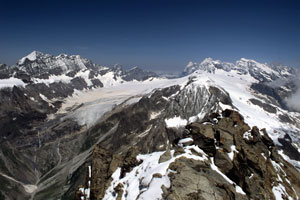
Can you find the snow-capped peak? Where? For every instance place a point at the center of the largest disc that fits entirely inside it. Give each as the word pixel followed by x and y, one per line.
pixel 37 63
pixel 62 55
pixel 244 62
pixel 190 64
pixel 207 65
pixel 259 71
pixel 208 60
pixel 32 57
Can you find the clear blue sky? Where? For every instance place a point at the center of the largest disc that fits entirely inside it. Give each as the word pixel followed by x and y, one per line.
pixel 158 35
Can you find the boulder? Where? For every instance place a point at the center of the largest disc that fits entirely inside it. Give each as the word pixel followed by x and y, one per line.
pixel 222 161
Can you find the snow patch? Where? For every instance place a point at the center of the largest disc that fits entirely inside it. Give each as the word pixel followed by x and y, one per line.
pixel 175 122
pixel 30 188
pixel 54 78
pixel 231 154
pixel 184 141
pixel 280 192
pixel 247 136
pixel 11 82
pixel 154 115
pixel 146 180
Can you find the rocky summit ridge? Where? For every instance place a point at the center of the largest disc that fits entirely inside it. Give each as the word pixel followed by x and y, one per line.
pixel 218 158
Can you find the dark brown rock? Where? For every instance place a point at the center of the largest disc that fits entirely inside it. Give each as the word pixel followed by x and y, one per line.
pixel 103 165
pixel 130 161
pixel 222 161
pixel 196 180
pixel 165 157
pixel 255 134
pixel 203 136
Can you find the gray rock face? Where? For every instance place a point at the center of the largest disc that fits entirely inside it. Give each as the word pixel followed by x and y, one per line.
pixel 138 74
pixel 198 181
pixel 271 92
pixel 37 63
pixel 267 107
pixel 5 71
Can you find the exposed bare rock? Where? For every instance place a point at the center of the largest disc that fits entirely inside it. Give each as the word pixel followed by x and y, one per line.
pixel 195 180
pixel 104 163
pixel 256 167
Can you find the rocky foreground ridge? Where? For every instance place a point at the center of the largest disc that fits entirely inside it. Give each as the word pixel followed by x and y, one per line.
pixel 220 157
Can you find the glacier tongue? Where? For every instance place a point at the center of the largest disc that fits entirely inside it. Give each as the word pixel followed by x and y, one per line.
pixel 95 103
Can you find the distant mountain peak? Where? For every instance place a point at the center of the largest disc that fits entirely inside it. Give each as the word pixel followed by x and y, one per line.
pixel 62 55
pixel 208 60
pixel 37 63
pixel 259 71
pixel 31 57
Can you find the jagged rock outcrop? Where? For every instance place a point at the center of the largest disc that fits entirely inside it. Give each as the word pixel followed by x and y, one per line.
pixel 138 74
pixel 218 158
pixel 252 162
pixel 104 164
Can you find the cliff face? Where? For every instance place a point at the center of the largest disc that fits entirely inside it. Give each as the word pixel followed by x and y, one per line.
pixel 218 158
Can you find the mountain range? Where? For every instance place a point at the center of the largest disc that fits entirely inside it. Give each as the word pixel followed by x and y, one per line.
pixel 73 129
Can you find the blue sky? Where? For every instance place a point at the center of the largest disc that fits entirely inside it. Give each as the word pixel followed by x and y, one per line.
pixel 158 35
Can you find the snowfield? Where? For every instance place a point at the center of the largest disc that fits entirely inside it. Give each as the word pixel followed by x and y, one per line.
pixel 94 103
pixel 11 82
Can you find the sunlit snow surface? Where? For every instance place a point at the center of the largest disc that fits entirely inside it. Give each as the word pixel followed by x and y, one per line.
pixel 11 82
pixel 238 87
pixel 145 181
pixel 175 122
pixel 94 103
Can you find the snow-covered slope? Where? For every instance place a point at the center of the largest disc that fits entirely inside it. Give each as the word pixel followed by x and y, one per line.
pixel 259 71
pixel 244 99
